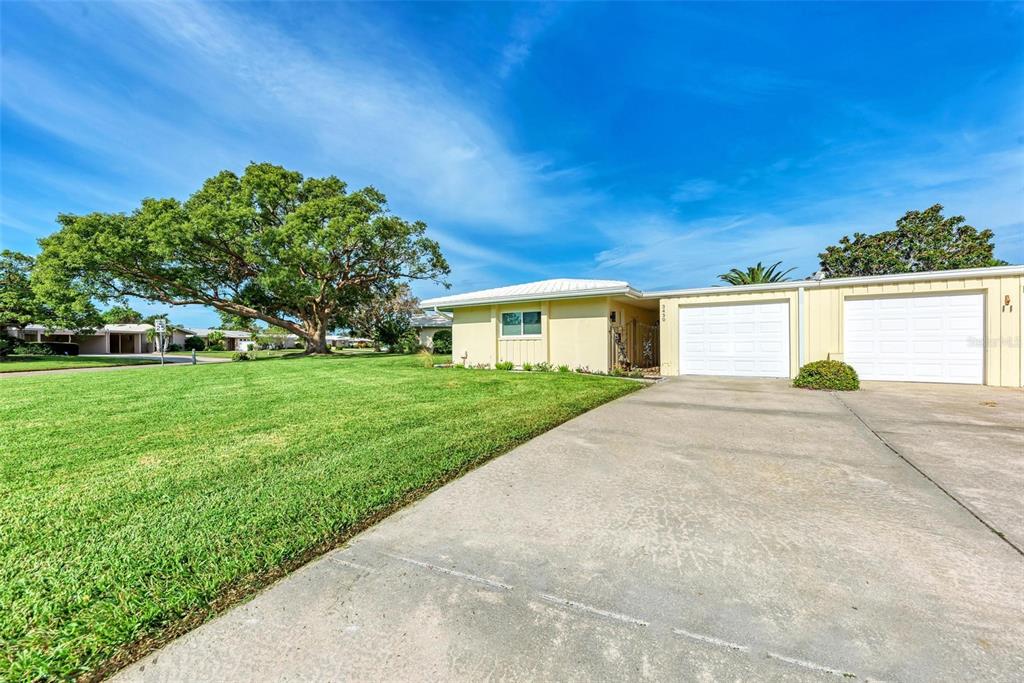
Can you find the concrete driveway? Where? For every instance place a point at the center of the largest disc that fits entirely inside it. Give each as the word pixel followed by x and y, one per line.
pixel 700 529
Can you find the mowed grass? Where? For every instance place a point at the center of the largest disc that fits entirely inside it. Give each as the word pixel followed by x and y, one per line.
pixel 131 501
pixel 27 363
pixel 259 355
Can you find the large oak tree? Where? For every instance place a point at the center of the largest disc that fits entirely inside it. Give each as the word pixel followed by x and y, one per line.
pixel 922 241
pixel 299 253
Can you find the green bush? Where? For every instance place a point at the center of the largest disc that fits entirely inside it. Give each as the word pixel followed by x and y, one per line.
pixel 8 345
pixel 564 368
pixel 34 349
pixel 504 365
pixel 194 344
pixel 173 347
pixel 527 367
pixel 830 375
pixel 443 341
pixel 240 355
pixel 543 366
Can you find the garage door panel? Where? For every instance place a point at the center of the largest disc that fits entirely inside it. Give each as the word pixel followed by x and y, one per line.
pixel 918 339
pixel 746 340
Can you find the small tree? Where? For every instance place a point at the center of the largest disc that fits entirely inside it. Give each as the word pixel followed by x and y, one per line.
pixel 922 241
pixel 215 341
pixel 755 275
pixel 385 317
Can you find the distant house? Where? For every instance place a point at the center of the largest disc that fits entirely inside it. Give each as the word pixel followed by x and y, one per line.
pixel 126 338
pixel 340 341
pixel 429 323
pixel 234 340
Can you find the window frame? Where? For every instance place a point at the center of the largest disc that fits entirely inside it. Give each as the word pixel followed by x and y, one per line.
pixel 522 324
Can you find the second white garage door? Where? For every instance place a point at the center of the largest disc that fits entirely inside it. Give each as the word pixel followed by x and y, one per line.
pixel 747 340
pixel 916 339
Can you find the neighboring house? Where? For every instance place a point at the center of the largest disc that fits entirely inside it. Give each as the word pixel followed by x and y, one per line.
pixel 948 326
pixel 234 340
pixel 427 324
pixel 340 341
pixel 107 339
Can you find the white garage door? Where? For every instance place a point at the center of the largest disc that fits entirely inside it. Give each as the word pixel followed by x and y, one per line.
pixel 916 339
pixel 748 340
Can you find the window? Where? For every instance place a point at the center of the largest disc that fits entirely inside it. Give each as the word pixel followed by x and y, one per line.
pixel 520 323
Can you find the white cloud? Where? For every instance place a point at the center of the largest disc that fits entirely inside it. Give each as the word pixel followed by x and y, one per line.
pixel 695 190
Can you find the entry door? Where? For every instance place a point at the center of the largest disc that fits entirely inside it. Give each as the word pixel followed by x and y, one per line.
pixel 916 339
pixel 744 340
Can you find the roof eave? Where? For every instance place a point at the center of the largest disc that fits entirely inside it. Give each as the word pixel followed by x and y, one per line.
pixel 486 301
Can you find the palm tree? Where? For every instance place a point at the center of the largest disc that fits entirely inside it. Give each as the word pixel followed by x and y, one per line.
pixel 755 275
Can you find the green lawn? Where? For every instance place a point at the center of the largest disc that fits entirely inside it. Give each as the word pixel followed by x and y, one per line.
pixel 227 354
pixel 131 501
pixel 26 363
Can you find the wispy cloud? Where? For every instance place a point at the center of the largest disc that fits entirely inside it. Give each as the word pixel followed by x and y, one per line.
pixel 695 190
pixel 527 27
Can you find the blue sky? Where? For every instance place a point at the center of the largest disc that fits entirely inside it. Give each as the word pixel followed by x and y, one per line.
pixel 661 144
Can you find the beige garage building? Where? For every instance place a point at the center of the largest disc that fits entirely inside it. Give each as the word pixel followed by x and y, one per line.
pixel 961 326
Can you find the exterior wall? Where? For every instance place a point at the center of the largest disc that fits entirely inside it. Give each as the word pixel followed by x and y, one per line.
pixel 574 332
pixel 474 336
pixel 93 343
pixel 426 335
pixel 579 333
pixel 823 324
pixel 523 349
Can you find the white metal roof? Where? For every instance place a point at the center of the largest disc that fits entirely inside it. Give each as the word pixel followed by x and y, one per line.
pixel 568 288
pixel 559 288
pixel 430 319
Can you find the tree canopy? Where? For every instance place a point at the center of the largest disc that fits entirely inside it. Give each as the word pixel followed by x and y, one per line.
pixel 23 301
pixel 299 253
pixel 922 241
pixel 756 274
pixel 121 314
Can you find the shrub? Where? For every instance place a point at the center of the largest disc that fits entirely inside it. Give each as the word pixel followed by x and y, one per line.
pixel 409 342
pixel 527 367
pixel 831 375
pixel 504 365
pixel 194 344
pixel 564 368
pixel 240 355
pixel 47 349
pixel 8 345
pixel 443 341
pixel 426 358
pixel 173 347
pixel 543 366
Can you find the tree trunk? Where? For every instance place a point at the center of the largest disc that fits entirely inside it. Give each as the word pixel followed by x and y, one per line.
pixel 316 338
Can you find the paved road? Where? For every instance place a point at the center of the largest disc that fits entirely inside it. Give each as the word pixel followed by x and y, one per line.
pixel 699 529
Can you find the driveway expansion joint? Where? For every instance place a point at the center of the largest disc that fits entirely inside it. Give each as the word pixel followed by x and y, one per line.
pixel 924 474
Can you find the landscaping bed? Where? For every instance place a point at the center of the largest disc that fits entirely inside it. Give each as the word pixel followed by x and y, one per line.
pixel 144 501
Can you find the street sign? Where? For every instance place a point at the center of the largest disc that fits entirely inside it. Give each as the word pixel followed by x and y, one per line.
pixel 160 325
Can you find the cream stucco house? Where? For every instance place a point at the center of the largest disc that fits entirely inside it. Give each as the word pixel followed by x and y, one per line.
pixel 961 326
